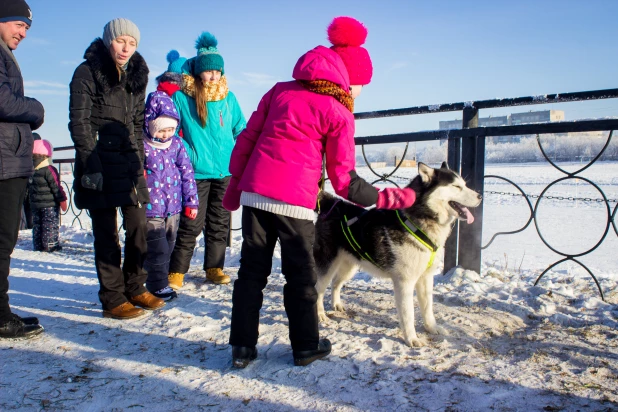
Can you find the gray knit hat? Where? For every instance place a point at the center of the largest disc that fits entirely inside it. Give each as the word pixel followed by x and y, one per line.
pixel 119 27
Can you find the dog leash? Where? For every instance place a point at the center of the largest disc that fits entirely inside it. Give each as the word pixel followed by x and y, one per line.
pixel 420 236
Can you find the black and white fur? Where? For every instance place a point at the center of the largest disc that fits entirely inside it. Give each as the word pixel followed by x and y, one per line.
pixel 442 197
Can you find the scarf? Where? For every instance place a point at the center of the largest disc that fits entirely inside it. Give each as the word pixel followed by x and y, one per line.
pixel 214 91
pixel 329 89
pixel 158 145
pixel 44 163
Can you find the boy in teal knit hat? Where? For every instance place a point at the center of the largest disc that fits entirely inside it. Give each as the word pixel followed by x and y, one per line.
pixel 169 82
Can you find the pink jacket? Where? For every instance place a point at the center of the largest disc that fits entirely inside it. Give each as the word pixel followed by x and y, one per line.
pixel 279 154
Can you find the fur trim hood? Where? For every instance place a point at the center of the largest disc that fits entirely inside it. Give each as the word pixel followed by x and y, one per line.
pixel 105 72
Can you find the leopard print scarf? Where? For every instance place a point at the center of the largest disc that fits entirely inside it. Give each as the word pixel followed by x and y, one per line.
pixel 214 91
pixel 329 89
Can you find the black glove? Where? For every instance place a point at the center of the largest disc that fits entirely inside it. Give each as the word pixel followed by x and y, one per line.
pixel 93 181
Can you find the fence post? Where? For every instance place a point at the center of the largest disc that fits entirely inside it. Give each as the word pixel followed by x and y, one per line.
pixel 450 247
pixel 473 170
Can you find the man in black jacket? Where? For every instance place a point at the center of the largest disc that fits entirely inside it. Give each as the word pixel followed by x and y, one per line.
pixel 19 115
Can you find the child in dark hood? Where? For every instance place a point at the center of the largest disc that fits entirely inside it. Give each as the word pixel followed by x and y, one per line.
pixel 170 81
pixel 172 188
pixel 46 198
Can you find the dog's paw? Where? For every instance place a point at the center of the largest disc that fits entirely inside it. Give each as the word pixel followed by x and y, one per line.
pixel 436 330
pixel 416 342
pixel 323 318
pixel 338 307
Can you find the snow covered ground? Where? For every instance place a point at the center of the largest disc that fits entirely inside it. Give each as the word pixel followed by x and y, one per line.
pixel 510 346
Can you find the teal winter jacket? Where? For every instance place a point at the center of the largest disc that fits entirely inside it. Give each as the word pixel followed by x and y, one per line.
pixel 210 147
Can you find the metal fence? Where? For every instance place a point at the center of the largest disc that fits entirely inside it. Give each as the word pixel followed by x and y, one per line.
pixel 466 155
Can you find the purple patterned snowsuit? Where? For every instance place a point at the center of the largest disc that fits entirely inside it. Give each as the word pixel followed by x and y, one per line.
pixel 172 188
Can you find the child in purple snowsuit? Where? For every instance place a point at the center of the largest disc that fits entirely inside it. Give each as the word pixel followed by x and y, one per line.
pixel 172 188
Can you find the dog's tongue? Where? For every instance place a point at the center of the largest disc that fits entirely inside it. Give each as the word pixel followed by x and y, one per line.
pixel 469 217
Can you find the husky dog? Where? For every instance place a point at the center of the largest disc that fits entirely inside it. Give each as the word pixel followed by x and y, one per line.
pixel 398 245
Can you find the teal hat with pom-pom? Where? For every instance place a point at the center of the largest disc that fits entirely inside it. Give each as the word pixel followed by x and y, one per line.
pixel 208 57
pixel 175 62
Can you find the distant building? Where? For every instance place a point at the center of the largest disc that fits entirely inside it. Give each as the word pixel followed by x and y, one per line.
pixel 405 162
pixel 543 116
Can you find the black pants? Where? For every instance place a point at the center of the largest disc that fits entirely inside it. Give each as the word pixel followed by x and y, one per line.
pixel 13 192
pixel 161 239
pixel 117 284
pixel 212 219
pixel 46 224
pixel 260 232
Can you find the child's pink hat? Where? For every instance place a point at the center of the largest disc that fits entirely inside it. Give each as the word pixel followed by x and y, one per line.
pixel 347 36
pixel 42 147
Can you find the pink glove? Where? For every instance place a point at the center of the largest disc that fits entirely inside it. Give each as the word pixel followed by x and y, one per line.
pixel 64 206
pixel 393 198
pixel 231 200
pixel 190 212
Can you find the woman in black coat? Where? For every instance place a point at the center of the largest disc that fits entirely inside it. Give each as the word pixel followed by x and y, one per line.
pixel 106 112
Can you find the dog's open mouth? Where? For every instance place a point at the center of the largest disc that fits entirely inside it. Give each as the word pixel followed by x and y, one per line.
pixel 464 213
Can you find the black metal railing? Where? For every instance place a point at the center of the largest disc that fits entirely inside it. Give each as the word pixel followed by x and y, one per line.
pixel 466 155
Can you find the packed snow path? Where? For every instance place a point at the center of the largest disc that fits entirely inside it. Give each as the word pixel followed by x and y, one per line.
pixel 510 346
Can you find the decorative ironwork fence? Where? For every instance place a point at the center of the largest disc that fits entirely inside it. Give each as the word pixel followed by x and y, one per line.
pixel 466 155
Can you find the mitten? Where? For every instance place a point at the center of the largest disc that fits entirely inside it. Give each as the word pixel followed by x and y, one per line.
pixel 93 181
pixel 64 206
pixel 393 198
pixel 231 200
pixel 190 212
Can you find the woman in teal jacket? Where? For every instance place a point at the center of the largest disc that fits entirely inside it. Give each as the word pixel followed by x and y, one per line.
pixel 210 119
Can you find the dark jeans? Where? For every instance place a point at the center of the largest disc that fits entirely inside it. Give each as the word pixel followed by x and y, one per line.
pixel 212 219
pixel 117 284
pixel 45 228
pixel 260 232
pixel 161 238
pixel 13 192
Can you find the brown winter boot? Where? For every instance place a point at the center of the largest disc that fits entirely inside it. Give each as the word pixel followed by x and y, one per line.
pixel 123 311
pixel 147 301
pixel 216 275
pixel 175 280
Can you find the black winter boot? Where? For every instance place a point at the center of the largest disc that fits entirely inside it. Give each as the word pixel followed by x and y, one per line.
pixel 15 328
pixel 305 357
pixel 29 320
pixel 242 356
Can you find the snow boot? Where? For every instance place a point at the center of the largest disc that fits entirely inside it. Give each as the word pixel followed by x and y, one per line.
pixel 175 280
pixel 242 356
pixel 167 294
pixel 123 311
pixel 15 328
pixel 147 301
pixel 305 357
pixel 28 320
pixel 216 276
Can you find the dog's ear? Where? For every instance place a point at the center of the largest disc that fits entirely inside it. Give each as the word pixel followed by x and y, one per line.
pixel 425 172
pixel 444 165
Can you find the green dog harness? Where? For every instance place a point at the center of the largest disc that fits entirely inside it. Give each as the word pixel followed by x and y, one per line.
pixel 410 227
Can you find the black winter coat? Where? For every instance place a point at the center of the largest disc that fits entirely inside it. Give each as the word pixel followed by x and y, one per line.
pixel 19 115
pixel 44 188
pixel 106 113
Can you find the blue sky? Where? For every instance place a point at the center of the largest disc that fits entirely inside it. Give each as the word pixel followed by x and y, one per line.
pixel 424 52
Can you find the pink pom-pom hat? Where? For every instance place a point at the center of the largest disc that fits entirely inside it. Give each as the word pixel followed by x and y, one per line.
pixel 42 147
pixel 347 35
